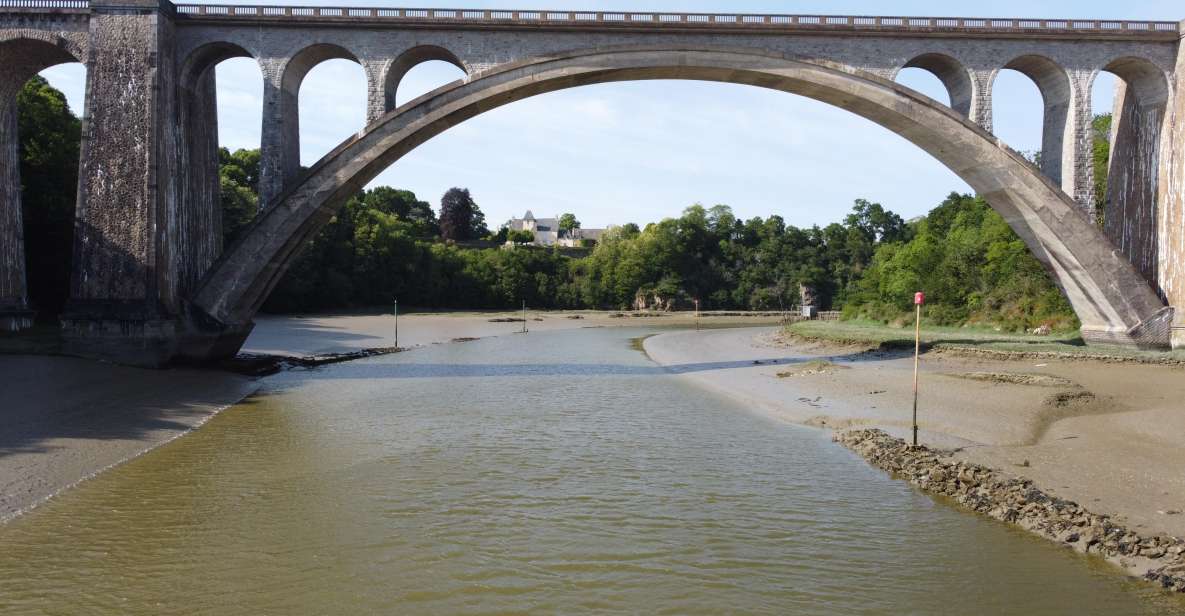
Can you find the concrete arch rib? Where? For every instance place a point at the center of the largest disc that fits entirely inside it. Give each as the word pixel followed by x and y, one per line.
pixel 1112 301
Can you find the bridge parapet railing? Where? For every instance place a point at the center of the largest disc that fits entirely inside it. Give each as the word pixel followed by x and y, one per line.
pixel 731 19
pixel 44 4
pixel 541 16
pixel 651 19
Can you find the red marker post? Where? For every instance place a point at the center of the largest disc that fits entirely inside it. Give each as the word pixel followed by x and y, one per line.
pixel 919 298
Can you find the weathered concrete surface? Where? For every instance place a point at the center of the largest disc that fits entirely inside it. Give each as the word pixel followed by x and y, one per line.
pixel 1171 204
pixel 1113 302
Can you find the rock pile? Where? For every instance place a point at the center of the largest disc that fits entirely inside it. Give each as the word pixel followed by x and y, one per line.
pixel 1159 559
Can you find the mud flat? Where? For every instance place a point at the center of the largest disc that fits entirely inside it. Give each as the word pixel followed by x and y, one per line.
pixel 1105 436
pixel 65 420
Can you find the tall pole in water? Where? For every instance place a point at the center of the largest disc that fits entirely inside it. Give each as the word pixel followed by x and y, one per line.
pixel 919 298
pixel 524 316
pixel 697 314
pixel 397 323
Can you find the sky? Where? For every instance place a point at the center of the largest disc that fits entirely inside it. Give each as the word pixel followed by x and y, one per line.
pixel 643 151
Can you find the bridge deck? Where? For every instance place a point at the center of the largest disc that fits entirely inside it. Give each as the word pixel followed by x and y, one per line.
pixel 1008 27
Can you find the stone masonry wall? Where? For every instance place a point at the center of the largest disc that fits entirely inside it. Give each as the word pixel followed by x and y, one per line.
pixel 1131 214
pixel 116 246
pixel 1171 214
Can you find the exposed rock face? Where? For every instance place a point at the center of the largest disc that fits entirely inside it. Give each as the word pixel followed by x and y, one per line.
pixel 1159 559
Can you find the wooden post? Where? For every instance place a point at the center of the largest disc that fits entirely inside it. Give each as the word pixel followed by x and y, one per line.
pixel 397 324
pixel 919 298
pixel 697 314
pixel 524 316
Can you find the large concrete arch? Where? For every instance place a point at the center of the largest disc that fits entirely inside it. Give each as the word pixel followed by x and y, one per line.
pixel 1112 301
pixel 21 57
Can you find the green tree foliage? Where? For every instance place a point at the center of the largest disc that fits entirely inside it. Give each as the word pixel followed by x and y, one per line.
pixel 1101 161
pixel 238 178
pixel 386 244
pixel 460 218
pixel 972 266
pixel 50 137
pixel 520 236
pixel 568 222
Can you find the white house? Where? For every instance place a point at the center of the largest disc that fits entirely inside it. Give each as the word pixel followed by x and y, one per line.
pixel 547 231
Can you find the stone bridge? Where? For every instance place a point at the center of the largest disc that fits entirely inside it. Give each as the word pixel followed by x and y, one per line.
pixel 152 284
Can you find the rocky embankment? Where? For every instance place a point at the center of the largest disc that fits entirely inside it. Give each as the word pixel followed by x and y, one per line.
pixel 1159 559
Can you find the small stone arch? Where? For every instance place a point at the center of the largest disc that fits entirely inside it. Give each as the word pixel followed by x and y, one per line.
pixel 1147 81
pixel 206 57
pixel 957 78
pixel 408 60
pixel 303 61
pixel 1053 82
pixel 29 53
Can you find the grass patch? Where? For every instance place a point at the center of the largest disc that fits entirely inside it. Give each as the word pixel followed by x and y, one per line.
pixel 874 335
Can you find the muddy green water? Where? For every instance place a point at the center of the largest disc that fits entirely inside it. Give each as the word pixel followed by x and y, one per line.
pixel 550 473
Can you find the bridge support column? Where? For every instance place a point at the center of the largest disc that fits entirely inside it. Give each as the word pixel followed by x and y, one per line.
pixel 980 110
pixel 376 92
pixel 1171 215
pixel 279 155
pixel 1077 177
pixel 14 302
pixel 124 288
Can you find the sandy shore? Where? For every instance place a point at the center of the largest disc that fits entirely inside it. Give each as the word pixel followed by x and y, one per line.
pixel 1104 435
pixel 321 335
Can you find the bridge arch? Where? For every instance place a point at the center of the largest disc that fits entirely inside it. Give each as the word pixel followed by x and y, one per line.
pixel 1053 82
pixel 42 281
pixel 406 61
pixel 293 73
pixel 1113 303
pixel 960 87
pixel 199 195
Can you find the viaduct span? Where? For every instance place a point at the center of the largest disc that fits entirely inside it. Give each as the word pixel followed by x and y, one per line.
pixel 152 284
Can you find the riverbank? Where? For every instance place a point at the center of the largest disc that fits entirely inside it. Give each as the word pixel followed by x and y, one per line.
pixel 1103 435
pixel 67 419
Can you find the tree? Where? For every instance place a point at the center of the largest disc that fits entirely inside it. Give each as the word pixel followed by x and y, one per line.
pixel 238 181
pixel 568 222
pixel 1100 160
pixel 460 218
pixel 520 236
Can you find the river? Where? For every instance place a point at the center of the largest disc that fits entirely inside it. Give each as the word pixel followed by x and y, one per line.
pixel 544 473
